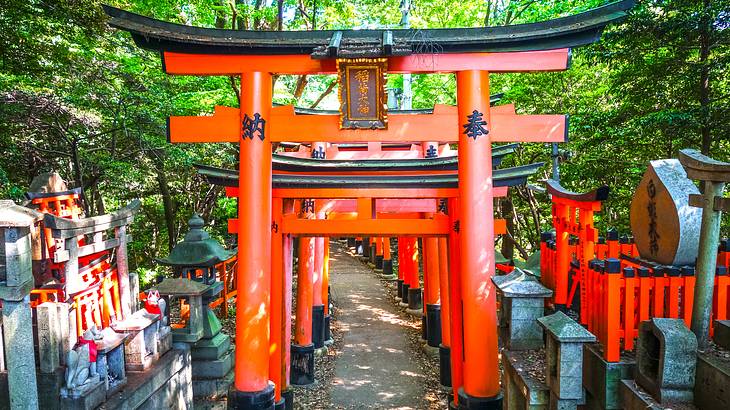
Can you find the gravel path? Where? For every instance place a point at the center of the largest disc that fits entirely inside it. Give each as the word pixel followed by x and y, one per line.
pixel 378 365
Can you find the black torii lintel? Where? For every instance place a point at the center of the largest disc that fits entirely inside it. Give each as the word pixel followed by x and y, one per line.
pixel 565 32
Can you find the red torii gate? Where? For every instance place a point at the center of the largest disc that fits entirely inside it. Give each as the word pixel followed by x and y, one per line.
pixel 469 53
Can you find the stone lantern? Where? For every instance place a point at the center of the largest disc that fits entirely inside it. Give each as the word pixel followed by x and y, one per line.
pixel 197 255
pixel 194 261
pixel 523 302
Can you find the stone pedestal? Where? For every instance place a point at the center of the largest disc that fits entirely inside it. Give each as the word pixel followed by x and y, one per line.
pixel 110 362
pixel 140 349
pixel 564 359
pixel 722 333
pixel 49 337
pixel 87 398
pixel 666 360
pixel 602 379
pixel 213 354
pixel 523 302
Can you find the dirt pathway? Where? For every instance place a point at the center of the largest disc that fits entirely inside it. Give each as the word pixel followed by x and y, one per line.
pixel 376 367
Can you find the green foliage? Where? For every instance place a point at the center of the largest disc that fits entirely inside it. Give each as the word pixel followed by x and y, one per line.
pixel 79 97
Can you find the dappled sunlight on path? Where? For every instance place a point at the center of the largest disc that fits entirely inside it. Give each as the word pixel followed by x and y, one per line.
pixel 376 367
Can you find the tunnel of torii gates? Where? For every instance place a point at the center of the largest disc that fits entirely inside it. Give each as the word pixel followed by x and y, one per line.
pixel 396 195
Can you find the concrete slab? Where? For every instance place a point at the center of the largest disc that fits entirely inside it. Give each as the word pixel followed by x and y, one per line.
pixel 376 366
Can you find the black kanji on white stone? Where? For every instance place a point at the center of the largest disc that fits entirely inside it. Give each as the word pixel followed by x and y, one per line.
pixel 253 127
pixel 475 125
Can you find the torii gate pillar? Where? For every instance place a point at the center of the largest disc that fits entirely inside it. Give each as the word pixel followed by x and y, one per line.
pixel 252 388
pixel 481 364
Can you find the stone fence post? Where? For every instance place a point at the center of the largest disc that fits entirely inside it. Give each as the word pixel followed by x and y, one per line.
pixel 564 359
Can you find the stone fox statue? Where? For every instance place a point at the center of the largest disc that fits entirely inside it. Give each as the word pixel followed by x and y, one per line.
pixel 81 361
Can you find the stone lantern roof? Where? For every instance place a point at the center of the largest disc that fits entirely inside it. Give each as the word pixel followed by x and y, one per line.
pixel 520 284
pixel 197 249
pixel 181 287
pixel 13 215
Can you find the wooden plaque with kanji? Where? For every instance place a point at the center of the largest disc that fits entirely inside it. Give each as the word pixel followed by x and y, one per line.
pixel 363 100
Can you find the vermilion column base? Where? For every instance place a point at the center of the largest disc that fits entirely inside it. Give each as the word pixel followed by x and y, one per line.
pixel 302 364
pixel 433 325
pixel 318 326
pixel 328 330
pixel 288 397
pixel 259 400
pixel 387 267
pixel 467 402
pixel 379 262
pixel 415 299
pixel 404 294
pixel 445 365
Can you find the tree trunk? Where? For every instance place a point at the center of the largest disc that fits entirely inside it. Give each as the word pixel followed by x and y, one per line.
pixel 78 175
pixel 299 89
pixel 324 94
pixel 508 245
pixel 280 15
pixel 256 18
pixel 704 94
pixel 489 12
pixel 167 204
pixel 220 16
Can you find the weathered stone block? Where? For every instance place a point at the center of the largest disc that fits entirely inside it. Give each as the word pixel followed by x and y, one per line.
pixel 164 340
pixel 141 345
pixel 722 333
pixel 212 369
pixel 64 326
pixel 521 390
pixel 564 356
pixel 557 403
pixel 211 349
pixel 110 362
pixel 632 398
pixel 602 379
pixel 49 337
pixel 212 389
pixel 712 379
pixel 666 359
pixel 167 384
pixel 88 398
pixel 18 336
